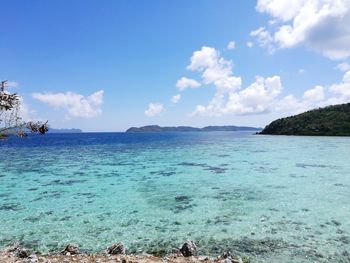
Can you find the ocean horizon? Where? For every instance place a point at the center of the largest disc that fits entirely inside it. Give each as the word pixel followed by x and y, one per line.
pixel 272 198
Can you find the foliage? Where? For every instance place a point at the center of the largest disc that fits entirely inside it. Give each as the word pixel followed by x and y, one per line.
pixel 329 121
pixel 11 122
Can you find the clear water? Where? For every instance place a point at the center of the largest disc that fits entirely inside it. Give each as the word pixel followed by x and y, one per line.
pixel 273 198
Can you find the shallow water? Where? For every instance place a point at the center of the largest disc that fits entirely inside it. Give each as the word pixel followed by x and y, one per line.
pixel 273 198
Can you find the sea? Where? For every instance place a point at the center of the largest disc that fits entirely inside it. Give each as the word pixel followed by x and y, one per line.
pixel 270 198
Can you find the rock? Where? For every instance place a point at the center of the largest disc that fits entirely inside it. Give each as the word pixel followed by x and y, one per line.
pixel 70 250
pixel 180 198
pixel 189 249
pixel 175 253
pixel 21 252
pixel 33 259
pixel 18 251
pixel 116 249
pixel 226 255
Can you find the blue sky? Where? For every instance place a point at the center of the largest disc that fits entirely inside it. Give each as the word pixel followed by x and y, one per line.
pixel 108 65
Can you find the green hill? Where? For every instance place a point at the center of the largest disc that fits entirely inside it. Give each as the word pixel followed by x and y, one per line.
pixel 329 121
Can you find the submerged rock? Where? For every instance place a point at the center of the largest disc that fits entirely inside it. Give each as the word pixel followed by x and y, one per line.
pixel 70 250
pixel 18 251
pixel 21 252
pixel 181 198
pixel 116 249
pixel 189 249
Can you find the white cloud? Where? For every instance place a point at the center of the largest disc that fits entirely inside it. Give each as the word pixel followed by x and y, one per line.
pixel 256 98
pixel 341 90
pixel 264 38
pixel 26 112
pixel 231 45
pixel 315 94
pixel 211 64
pixel 250 44
pixel 229 97
pixel 319 25
pixel 318 96
pixel 185 83
pixel 262 96
pixel 76 105
pixel 343 66
pixel 301 71
pixel 176 98
pixel 154 109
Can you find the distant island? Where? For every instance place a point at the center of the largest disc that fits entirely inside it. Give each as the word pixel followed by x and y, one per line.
pixel 329 121
pixel 156 128
pixel 73 130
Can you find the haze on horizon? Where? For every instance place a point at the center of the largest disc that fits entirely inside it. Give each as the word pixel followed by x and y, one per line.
pixel 111 65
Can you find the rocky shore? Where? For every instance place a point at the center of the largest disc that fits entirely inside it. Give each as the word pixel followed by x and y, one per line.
pixel 188 252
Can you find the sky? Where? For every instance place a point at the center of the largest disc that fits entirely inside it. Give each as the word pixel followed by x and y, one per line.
pixel 112 64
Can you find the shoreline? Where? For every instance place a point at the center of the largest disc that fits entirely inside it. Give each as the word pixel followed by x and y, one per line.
pixel 115 253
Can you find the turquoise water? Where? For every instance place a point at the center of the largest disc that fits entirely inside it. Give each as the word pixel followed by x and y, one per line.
pixel 273 198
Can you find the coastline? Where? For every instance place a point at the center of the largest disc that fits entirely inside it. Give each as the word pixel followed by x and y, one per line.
pixel 115 253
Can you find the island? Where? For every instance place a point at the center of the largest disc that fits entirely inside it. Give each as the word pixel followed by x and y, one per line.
pixel 156 128
pixel 328 121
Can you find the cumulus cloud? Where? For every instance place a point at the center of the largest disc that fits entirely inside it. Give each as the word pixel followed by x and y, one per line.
pixel 76 105
pixel 176 98
pixel 26 112
pixel 318 96
pixel 229 96
pixel 341 90
pixel 256 98
pixel 231 45
pixel 264 38
pixel 154 109
pixel 319 25
pixel 315 94
pixel 185 83
pixel 261 96
pixel 343 66
pixel 211 64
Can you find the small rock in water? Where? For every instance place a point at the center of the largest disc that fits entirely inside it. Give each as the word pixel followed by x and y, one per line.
pixel 70 250
pixel 116 249
pixel 335 222
pixel 189 249
pixel 181 198
pixel 21 253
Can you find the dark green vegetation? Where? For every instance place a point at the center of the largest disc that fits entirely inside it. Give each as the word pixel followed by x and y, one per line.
pixel 11 122
pixel 329 121
pixel 156 128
